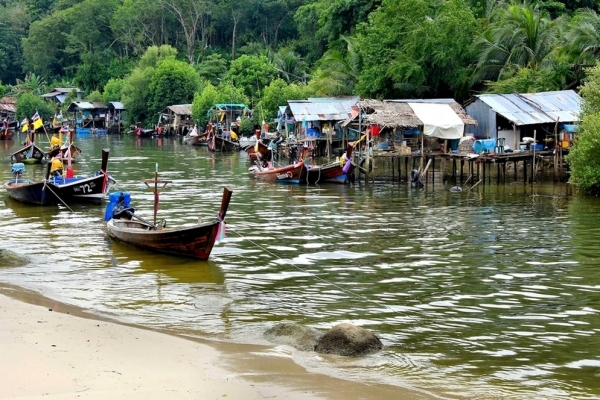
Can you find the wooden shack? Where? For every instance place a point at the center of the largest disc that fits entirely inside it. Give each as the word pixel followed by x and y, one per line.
pixel 317 120
pixel 176 119
pixel 115 117
pixel 519 120
pixel 409 126
pixel 88 116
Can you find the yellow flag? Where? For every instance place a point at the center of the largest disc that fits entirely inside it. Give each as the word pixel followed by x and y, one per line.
pixel 24 128
pixel 38 123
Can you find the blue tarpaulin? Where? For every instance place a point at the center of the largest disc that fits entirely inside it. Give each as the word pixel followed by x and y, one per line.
pixel 484 144
pixel 570 128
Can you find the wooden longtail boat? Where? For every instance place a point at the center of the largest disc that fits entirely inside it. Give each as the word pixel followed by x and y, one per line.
pixel 61 189
pixel 196 139
pixel 27 191
pixel 263 150
pixel 29 153
pixel 341 171
pixel 293 173
pixel 194 241
pixel 222 144
pixel 67 150
pixel 88 189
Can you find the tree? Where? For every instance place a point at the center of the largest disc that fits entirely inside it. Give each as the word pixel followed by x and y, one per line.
pixel 291 66
pixel 28 104
pixel 520 35
pixel 413 48
pixel 14 21
pixel 584 155
pixel 43 49
pixel 338 72
pixel 203 102
pixel 32 83
pixel 193 18
pixel 138 24
pixel 94 97
pixel 582 44
pixel 277 94
pixel 529 80
pixel 38 9
pixel 174 82
pixel 323 24
pixel 136 95
pixel 212 68
pixel 93 72
pixel 251 74
pixel 2 90
pixel 211 95
pixel 112 90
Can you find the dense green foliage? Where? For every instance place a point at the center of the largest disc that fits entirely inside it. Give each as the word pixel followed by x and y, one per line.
pixel 370 48
pixel 584 156
pixel 225 93
pixel 28 104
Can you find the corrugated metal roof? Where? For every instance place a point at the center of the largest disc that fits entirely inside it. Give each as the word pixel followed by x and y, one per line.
pixel 179 109
pixel 535 108
pixel 85 105
pixel 65 90
pixel 117 105
pixel 326 110
pixel 57 91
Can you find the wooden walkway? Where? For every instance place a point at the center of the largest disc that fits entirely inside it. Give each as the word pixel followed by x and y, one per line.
pixel 464 168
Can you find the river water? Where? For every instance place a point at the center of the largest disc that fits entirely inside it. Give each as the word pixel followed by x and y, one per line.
pixel 493 293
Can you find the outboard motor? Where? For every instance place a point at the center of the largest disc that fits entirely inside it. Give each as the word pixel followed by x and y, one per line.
pixel 18 169
pixel 119 206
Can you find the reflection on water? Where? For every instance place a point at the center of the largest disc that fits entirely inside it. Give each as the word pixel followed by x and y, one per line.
pixel 482 294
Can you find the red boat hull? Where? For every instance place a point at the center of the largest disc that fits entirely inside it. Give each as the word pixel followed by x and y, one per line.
pixel 293 173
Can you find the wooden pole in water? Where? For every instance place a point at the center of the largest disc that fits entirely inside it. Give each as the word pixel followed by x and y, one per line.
pixel 155 192
pixel 533 158
pixel 156 189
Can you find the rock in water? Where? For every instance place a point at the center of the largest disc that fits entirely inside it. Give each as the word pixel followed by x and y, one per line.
pixel 348 340
pixel 9 258
pixel 295 335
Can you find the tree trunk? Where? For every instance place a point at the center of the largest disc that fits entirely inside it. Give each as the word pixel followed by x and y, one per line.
pixel 234 37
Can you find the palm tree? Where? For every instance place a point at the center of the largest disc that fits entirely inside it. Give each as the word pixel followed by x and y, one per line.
pixel 519 36
pixel 290 65
pixel 338 73
pixel 583 38
pixel 31 84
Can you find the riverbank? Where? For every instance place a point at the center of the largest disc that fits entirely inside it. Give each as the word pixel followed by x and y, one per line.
pixel 52 350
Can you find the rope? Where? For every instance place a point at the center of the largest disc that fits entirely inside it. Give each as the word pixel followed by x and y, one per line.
pixel 57 196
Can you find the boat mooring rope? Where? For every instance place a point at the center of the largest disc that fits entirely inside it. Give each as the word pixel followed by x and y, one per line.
pixel 57 196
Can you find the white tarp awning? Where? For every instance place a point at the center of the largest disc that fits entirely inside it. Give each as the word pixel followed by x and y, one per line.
pixel 439 120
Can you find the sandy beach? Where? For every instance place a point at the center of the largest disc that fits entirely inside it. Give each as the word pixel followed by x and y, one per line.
pixel 53 351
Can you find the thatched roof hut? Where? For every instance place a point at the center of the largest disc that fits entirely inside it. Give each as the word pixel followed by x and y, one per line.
pixel 399 113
